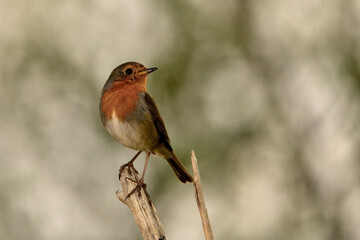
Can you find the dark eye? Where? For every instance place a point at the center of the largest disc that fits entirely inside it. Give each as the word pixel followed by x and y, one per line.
pixel 128 71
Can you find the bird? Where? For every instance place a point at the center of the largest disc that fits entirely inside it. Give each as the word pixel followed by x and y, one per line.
pixel 130 115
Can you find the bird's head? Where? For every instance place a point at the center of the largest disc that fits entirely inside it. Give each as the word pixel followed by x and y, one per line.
pixel 130 73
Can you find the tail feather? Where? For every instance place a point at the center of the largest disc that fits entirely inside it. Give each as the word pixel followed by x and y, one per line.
pixel 179 169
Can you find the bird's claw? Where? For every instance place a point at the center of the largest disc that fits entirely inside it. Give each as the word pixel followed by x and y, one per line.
pixel 129 165
pixel 139 184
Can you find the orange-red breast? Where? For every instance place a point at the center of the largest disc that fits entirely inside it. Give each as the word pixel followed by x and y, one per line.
pixel 130 115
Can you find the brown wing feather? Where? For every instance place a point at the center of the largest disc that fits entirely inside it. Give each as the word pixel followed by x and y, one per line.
pixel 176 165
pixel 158 122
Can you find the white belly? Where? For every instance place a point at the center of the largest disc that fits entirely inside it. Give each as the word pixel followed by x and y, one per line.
pixel 127 134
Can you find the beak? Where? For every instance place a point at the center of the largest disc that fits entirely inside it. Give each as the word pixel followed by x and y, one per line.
pixel 148 70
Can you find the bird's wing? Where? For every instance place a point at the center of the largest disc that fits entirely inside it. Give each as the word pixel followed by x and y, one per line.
pixel 157 120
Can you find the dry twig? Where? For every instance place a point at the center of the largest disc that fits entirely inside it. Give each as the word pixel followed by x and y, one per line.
pixel 141 207
pixel 200 199
pixel 144 211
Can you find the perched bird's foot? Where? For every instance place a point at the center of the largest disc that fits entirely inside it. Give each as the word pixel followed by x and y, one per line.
pixel 129 165
pixel 139 184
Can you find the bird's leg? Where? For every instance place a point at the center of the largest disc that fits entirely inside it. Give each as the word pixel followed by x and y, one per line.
pixel 140 183
pixel 129 164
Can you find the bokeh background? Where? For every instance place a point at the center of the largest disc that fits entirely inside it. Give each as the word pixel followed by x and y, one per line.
pixel 266 92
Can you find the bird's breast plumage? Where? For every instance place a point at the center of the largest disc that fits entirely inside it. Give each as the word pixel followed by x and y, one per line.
pixel 128 119
pixel 120 99
pixel 128 133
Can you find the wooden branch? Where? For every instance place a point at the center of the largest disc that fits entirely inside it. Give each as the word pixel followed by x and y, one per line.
pixel 141 207
pixel 144 211
pixel 200 199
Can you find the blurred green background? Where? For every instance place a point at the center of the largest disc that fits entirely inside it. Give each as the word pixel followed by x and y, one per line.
pixel 266 92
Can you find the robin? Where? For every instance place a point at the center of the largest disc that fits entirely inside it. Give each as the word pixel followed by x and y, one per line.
pixel 130 115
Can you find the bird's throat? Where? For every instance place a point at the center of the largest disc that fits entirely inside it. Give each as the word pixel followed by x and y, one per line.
pixel 120 100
